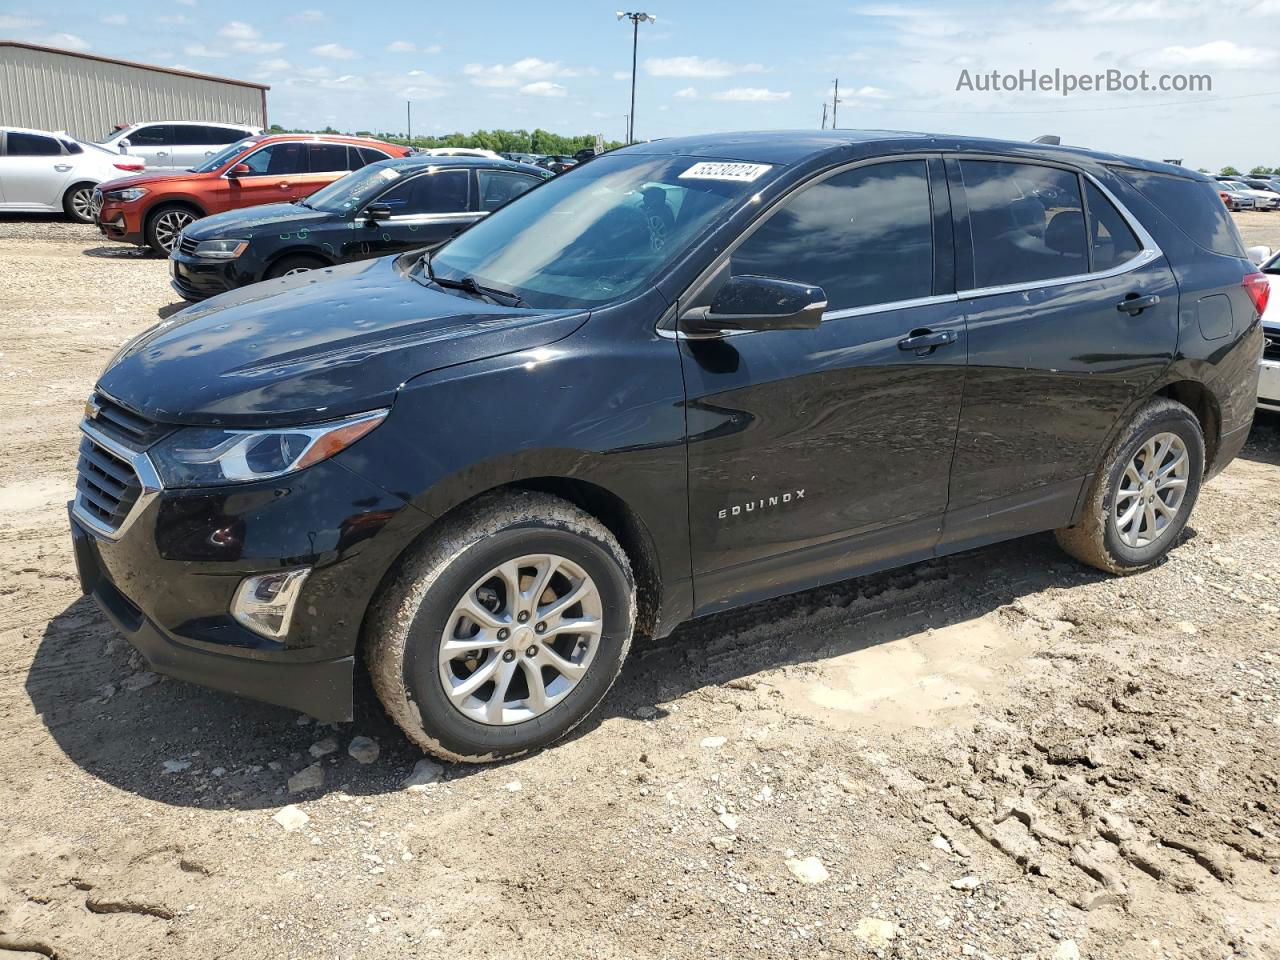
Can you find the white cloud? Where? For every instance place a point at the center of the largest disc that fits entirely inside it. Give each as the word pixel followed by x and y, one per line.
pixel 187 3
pixel 1124 11
pixel 752 95
pixel 200 50
pixel 66 41
pixel 115 19
pixel 275 65
pixel 401 46
pixel 520 73
pixel 1216 53
pixel 621 75
pixel 173 19
pixel 334 51
pixel 870 93
pixel 17 21
pixel 257 46
pixel 688 93
pixel 544 88
pixel 697 67
pixel 239 30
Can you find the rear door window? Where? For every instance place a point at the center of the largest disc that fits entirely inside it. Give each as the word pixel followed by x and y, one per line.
pixel 215 135
pixel 279 159
pixel 151 135
pixel 1026 222
pixel 327 157
pixel 1193 206
pixel 372 156
pixel 1111 240
pixel 32 145
pixel 865 236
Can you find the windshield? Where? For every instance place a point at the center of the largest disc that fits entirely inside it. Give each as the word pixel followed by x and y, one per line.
pixel 600 234
pixel 222 156
pixel 354 190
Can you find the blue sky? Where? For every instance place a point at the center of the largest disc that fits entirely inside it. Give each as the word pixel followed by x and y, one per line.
pixel 566 66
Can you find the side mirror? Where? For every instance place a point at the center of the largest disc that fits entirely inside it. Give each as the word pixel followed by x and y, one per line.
pixel 239 170
pixel 124 145
pixel 377 211
pixel 1259 255
pixel 758 303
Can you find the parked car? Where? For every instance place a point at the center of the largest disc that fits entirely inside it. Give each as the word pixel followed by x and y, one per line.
pixel 1269 369
pixel 1241 198
pixel 1262 199
pixel 696 374
pixel 557 162
pixel 462 152
pixel 531 158
pixel 1226 198
pixel 386 207
pixel 42 172
pixel 176 144
pixel 153 209
pixel 1257 183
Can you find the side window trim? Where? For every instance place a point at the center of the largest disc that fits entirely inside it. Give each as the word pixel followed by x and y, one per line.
pixel 1150 250
pixel 469 214
pixel 666 326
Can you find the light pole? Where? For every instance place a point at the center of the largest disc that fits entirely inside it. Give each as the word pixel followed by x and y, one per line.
pixel 636 19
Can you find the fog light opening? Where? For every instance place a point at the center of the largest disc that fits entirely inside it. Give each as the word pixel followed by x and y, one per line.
pixel 264 603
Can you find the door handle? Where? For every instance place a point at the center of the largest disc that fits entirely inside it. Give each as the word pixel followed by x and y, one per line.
pixel 62 167
pixel 1133 304
pixel 162 153
pixel 924 342
pixel 283 185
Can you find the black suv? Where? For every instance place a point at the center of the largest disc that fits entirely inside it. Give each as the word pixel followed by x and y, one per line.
pixel 387 207
pixel 696 374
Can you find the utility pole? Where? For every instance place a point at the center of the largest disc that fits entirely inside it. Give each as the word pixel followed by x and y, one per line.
pixel 636 19
pixel 835 104
pixel 408 113
pixel 824 115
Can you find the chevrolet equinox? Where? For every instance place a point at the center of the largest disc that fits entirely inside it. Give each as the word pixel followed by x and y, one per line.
pixel 695 374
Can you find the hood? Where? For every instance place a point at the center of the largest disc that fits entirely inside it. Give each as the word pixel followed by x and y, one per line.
pixel 148 179
pixel 314 346
pixel 249 220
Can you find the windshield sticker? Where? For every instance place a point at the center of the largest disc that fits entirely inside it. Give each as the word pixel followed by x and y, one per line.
pixel 741 172
pixel 388 174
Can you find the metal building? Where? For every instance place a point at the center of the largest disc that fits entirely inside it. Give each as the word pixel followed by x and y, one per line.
pixel 88 95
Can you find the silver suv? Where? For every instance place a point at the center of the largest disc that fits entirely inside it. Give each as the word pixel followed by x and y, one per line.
pixel 176 144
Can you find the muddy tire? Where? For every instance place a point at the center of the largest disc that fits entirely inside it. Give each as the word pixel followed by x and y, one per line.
pixel 504 629
pixel 1143 493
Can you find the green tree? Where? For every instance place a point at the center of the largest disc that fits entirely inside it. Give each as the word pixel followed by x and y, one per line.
pixel 1228 171
pixel 1260 171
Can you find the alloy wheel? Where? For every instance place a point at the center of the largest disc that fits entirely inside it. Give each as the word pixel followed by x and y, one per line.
pixel 520 639
pixel 1151 490
pixel 169 225
pixel 82 204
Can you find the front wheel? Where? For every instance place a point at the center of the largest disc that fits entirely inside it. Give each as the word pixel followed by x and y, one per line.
pixel 504 630
pixel 297 263
pixel 166 224
pixel 1142 496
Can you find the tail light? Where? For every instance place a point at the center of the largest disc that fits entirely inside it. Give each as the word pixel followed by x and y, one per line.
pixel 130 167
pixel 1259 291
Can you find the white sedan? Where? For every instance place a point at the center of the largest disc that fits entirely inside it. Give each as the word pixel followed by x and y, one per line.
pixel 1269 376
pixel 42 172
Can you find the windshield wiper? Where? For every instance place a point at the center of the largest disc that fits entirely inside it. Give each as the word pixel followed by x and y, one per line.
pixel 471 286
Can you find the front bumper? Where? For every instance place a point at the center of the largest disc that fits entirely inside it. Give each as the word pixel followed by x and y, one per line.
pixel 122 222
pixel 167 579
pixel 1269 385
pixel 194 278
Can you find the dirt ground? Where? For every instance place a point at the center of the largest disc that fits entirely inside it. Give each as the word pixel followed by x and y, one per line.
pixel 999 754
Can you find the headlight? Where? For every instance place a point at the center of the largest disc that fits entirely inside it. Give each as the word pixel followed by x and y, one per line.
pixel 127 195
pixel 220 249
pixel 204 456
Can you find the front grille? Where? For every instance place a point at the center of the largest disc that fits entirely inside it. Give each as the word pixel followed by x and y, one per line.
pixel 186 245
pixel 123 424
pixel 106 485
pixel 1271 351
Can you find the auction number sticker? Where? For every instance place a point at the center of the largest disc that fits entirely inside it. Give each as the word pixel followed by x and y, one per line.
pixel 741 172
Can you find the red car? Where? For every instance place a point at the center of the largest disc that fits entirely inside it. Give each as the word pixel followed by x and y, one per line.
pixel 154 208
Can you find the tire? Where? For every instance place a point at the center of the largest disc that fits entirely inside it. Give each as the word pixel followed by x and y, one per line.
pixel 165 222
pixel 298 263
pixel 405 635
pixel 77 203
pixel 1102 539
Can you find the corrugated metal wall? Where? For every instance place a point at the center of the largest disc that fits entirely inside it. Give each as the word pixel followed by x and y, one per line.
pixel 87 98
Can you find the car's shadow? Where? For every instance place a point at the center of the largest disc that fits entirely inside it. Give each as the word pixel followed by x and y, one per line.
pixel 241 753
pixel 121 251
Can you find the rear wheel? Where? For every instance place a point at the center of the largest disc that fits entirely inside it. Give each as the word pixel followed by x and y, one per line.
pixel 165 224
pixel 298 263
pixel 1143 494
pixel 77 203
pixel 505 630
